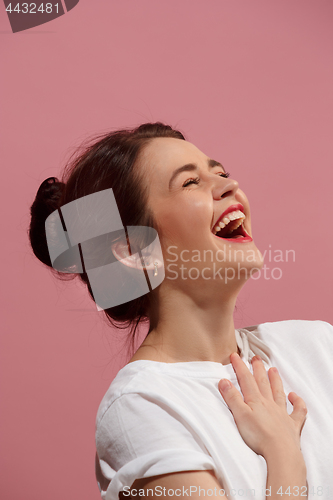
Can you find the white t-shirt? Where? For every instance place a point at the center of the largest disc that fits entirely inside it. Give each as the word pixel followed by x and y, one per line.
pixel 158 418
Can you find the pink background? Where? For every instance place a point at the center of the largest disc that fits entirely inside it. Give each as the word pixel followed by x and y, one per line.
pixel 250 83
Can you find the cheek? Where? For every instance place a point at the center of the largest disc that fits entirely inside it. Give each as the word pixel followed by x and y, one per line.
pixel 182 224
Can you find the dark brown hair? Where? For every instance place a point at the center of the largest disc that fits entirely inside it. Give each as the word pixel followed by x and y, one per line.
pixel 108 161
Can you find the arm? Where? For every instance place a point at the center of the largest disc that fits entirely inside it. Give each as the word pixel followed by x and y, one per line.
pixel 286 474
pixel 281 474
pixel 182 484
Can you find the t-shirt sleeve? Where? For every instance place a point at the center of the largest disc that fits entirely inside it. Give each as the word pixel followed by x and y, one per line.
pixel 138 437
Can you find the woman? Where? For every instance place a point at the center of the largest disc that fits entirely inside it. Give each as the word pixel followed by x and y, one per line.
pixel 174 421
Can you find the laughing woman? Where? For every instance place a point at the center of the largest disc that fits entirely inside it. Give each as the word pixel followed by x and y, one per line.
pixel 201 408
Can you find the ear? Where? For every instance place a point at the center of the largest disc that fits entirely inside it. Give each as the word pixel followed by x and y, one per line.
pixel 135 261
pixel 121 252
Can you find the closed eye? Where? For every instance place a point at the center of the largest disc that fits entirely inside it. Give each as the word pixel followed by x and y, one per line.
pixel 196 180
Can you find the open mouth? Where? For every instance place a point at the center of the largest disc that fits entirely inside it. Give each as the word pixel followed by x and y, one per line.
pixel 231 227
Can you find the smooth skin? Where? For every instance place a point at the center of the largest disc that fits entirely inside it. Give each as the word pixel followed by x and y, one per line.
pixel 263 421
pixel 192 320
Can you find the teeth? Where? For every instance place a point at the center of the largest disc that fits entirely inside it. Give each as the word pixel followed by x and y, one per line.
pixel 235 215
pixel 236 226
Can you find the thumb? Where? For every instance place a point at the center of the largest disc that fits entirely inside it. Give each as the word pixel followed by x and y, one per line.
pixel 300 410
pixel 231 396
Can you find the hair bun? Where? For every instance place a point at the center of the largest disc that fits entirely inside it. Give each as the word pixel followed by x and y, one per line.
pixel 47 200
pixel 50 192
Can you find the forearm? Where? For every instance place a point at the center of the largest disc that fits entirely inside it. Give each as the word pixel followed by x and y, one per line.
pixel 286 475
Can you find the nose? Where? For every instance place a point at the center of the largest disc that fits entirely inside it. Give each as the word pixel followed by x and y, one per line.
pixel 224 187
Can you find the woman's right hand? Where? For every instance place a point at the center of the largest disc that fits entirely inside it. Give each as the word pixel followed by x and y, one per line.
pixel 261 417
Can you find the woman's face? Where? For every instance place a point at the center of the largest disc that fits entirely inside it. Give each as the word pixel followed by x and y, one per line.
pixel 189 194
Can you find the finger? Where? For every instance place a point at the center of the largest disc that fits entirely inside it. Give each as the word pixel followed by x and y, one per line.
pixel 277 387
pixel 260 375
pixel 300 410
pixel 233 398
pixel 245 378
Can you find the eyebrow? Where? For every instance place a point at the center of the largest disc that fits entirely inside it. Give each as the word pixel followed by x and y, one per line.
pixel 190 167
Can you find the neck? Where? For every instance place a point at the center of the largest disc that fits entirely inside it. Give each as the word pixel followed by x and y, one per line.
pixel 191 324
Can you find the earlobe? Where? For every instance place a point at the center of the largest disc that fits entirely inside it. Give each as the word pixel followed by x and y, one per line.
pixel 153 265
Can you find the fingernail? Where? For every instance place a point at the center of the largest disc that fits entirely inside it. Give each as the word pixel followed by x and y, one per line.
pixel 257 357
pixel 225 385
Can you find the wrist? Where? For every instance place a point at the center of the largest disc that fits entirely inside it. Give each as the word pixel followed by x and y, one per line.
pixel 286 457
pixel 281 448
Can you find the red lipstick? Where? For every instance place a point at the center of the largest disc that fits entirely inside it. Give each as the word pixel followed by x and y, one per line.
pixel 242 236
pixel 237 206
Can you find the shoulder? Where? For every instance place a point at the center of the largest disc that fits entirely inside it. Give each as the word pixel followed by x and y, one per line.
pixel 139 403
pixel 138 387
pixel 126 382
pixel 124 414
pixel 309 339
pixel 292 329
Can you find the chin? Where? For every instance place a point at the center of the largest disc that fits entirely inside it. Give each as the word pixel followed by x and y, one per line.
pixel 245 262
